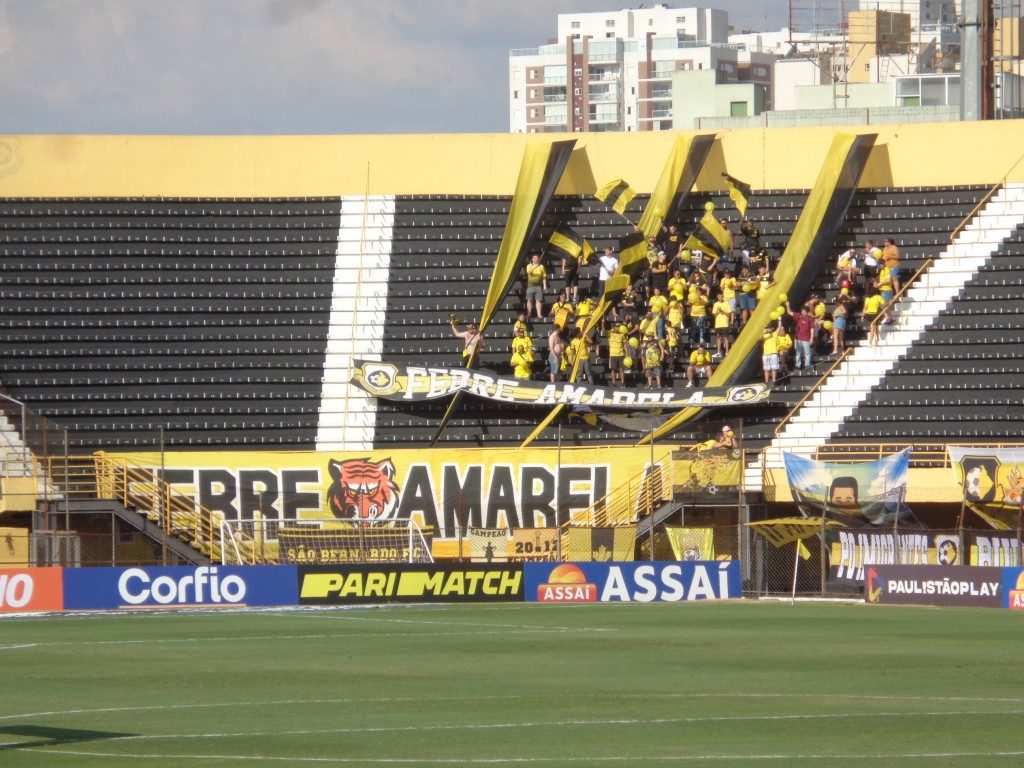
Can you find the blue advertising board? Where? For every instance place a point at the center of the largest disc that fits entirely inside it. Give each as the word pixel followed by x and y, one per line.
pixel 640 582
pixel 180 586
pixel 1013 589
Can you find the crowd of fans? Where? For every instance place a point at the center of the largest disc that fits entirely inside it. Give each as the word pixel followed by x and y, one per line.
pixel 679 320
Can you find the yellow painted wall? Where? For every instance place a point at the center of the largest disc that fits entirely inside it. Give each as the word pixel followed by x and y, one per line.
pixel 13 548
pixel 269 166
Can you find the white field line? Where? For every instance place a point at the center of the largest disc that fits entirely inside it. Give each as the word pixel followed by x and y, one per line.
pixel 427 700
pixel 321 636
pixel 547 760
pixel 336 617
pixel 632 722
pixel 13 647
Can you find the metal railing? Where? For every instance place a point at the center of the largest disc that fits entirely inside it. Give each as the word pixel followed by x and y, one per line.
pixel 807 396
pixel 637 496
pixel 984 200
pixel 884 311
pixel 141 489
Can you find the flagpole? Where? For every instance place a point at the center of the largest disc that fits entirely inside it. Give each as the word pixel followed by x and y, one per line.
pixel 796 567
pixel 558 504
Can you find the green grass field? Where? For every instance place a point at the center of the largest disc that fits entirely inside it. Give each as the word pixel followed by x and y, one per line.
pixel 752 683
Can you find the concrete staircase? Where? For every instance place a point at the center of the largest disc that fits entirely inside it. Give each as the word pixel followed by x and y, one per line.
pixel 865 367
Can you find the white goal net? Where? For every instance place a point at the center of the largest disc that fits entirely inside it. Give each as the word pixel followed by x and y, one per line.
pixel 327 540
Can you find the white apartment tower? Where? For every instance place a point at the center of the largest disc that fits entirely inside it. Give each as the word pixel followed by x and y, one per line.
pixel 612 71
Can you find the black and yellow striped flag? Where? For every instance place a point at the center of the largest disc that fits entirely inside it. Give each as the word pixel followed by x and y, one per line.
pixel 739 192
pixel 569 242
pixel 617 194
pixel 708 235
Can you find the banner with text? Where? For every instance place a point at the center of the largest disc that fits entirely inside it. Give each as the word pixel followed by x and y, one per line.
pixel 444 491
pixel 632 582
pixel 413 583
pixel 934 585
pixel 414 384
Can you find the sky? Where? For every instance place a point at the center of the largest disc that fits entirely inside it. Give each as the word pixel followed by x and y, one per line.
pixel 279 66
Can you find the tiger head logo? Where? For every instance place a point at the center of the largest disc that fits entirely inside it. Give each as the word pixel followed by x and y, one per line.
pixel 363 490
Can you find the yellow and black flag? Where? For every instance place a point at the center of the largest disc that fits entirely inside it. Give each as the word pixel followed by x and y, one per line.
pixel 617 194
pixel 739 192
pixel 568 242
pixel 599 544
pixel 709 235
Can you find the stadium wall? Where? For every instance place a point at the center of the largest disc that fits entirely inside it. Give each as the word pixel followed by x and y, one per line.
pixel 255 166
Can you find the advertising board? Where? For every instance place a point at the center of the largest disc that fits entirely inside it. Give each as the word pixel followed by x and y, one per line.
pixel 179 586
pixel 410 583
pixel 30 589
pixel 934 585
pixel 641 582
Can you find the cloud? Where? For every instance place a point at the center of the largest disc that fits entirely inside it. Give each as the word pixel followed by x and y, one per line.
pixel 266 66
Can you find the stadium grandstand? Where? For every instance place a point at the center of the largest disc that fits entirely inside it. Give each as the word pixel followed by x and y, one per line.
pixel 213 318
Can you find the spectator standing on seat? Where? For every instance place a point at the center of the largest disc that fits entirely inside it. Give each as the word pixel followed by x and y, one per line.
pixel 474 342
pixel 580 349
pixel 652 357
pixel 698 302
pixel 657 275
pixel 770 353
pixel 727 262
pixel 659 306
pixel 803 336
pixel 751 239
pixel 873 304
pixel 700 364
pixel 846 266
pixel 723 316
pixel 556 348
pixel 536 284
pixel 571 274
pixel 891 259
pixel 616 354
pixel 608 265
pixel 871 260
pixel 522 355
pixel 746 296
pixel 840 317
pixel 672 242
pixel 561 311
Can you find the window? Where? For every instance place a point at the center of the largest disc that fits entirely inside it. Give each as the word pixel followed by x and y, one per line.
pixel 533 74
pixel 577 91
pixel 533 93
pixel 533 113
pixel 574 25
pixel 629 110
pixel 515 94
pixel 609 34
pixel 577 111
pixel 737 109
pixel 609 22
pixel 578 72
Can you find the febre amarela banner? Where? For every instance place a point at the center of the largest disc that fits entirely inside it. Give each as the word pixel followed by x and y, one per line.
pixel 412 384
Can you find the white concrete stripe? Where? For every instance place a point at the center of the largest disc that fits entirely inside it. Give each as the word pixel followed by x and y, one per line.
pixel 359 297
pixel 863 370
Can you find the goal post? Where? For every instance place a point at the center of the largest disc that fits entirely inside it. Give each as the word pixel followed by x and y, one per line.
pixel 324 540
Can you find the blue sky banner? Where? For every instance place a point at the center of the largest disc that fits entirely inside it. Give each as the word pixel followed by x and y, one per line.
pixel 855 495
